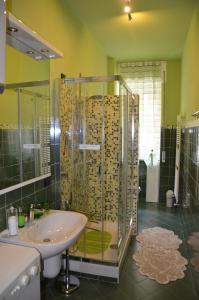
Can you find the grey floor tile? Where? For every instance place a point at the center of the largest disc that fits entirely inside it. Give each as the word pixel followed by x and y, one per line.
pixel 162 295
pixel 133 285
pixel 150 286
pixel 118 294
pixel 105 288
pixel 132 290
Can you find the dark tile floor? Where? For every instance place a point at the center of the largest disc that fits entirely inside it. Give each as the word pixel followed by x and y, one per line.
pixel 133 285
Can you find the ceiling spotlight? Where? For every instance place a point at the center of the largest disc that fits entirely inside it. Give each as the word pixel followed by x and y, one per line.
pixel 38 57
pixel 12 29
pixel 127 8
pixel 30 52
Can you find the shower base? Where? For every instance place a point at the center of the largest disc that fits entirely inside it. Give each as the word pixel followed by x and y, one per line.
pixel 108 262
pixel 110 254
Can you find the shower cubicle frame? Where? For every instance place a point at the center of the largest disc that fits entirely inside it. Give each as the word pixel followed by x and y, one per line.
pixel 89 266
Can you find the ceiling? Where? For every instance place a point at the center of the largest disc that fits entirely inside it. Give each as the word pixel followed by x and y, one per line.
pixel 158 29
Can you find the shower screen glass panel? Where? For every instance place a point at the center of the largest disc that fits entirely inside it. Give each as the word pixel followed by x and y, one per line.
pixel 88 153
pixel 82 148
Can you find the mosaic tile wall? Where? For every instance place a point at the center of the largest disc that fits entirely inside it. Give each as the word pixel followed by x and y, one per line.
pixel 112 154
pixel 130 161
pixel 66 146
pixel 135 166
pixel 82 171
pixel 189 168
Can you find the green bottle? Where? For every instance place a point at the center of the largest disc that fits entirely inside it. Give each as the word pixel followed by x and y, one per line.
pixel 46 206
pixel 21 218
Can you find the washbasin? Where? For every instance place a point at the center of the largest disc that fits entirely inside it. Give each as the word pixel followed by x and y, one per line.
pixel 50 235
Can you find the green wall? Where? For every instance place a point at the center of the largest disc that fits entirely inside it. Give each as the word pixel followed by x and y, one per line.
pixel 54 21
pixel 111 70
pixel 190 69
pixel 20 67
pixel 172 92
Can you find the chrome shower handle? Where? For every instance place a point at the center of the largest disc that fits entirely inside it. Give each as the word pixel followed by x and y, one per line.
pixel 99 170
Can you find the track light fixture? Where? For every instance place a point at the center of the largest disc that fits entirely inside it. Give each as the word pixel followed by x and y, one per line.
pixel 130 16
pixel 128 9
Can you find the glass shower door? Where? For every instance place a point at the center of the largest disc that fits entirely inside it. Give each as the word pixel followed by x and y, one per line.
pixel 88 152
pixel 88 170
pixel 122 201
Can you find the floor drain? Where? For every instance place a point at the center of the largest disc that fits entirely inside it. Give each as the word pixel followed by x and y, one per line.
pixel 46 240
pixel 114 246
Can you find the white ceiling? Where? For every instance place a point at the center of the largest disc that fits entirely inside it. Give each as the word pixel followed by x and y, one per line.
pixel 158 29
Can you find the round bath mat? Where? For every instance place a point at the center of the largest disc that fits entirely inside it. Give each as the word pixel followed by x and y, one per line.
pixel 159 237
pixel 162 265
pixel 193 241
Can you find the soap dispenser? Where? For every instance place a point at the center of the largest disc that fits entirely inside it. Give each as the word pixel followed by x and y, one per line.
pixel 12 220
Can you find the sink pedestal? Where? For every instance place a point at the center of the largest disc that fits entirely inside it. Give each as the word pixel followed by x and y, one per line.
pixel 52 266
pixel 68 283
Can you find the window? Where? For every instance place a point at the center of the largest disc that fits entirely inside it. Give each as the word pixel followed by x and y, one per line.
pixel 145 79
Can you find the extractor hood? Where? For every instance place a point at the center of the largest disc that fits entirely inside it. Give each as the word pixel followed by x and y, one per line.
pixel 24 39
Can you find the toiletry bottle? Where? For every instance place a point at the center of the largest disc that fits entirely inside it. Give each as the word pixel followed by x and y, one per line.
pixel 12 221
pixel 38 211
pixel 46 206
pixel 21 218
pixel 31 216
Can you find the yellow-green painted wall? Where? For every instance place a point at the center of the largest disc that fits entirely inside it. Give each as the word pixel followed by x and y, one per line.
pixel 21 68
pixel 172 92
pixel 54 21
pixel 111 70
pixel 190 69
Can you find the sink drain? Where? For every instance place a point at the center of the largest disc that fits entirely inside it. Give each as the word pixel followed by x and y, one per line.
pixel 46 240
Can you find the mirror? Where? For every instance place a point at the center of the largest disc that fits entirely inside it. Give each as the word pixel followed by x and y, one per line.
pixel 24 120
pixel 9 137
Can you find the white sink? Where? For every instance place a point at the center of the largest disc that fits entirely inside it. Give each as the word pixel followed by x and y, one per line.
pixel 50 235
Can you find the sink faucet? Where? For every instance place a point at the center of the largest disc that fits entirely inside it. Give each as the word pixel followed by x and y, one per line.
pixel 68 202
pixel 31 214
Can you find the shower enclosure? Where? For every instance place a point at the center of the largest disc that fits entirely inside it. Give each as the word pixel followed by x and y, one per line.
pixel 99 168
